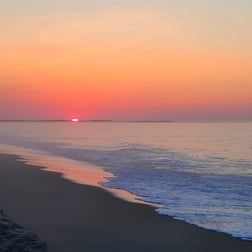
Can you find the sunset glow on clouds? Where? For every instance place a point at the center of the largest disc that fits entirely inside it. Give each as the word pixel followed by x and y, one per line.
pixel 181 60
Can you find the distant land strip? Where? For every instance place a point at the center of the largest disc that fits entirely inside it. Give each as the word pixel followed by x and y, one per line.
pixel 124 121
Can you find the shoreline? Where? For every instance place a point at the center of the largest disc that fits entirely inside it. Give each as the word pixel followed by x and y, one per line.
pixel 76 171
pixel 77 218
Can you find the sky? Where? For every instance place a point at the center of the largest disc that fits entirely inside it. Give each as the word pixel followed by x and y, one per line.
pixel 126 60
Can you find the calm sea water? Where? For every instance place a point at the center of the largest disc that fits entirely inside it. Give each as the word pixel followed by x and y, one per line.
pixel 198 172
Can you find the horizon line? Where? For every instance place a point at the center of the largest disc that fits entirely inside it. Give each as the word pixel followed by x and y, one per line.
pixel 128 121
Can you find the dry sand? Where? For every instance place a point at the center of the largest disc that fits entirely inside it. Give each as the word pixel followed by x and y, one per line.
pixel 71 217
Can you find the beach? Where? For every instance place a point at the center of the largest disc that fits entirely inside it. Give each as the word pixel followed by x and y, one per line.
pixel 71 217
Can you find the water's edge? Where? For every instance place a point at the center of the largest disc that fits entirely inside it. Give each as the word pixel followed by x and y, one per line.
pixel 103 180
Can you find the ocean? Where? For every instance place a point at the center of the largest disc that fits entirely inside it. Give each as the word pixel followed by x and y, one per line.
pixel 197 172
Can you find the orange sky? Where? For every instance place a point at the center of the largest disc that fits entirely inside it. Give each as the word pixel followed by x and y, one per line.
pixel 130 63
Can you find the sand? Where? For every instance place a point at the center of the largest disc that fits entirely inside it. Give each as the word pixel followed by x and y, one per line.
pixel 71 217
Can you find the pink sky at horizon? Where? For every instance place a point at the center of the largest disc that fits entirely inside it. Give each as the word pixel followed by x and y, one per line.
pixel 180 60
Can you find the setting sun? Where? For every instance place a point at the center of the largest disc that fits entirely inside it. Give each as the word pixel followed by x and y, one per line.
pixel 75 120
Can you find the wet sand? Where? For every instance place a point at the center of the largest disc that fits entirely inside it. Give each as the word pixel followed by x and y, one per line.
pixel 71 217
